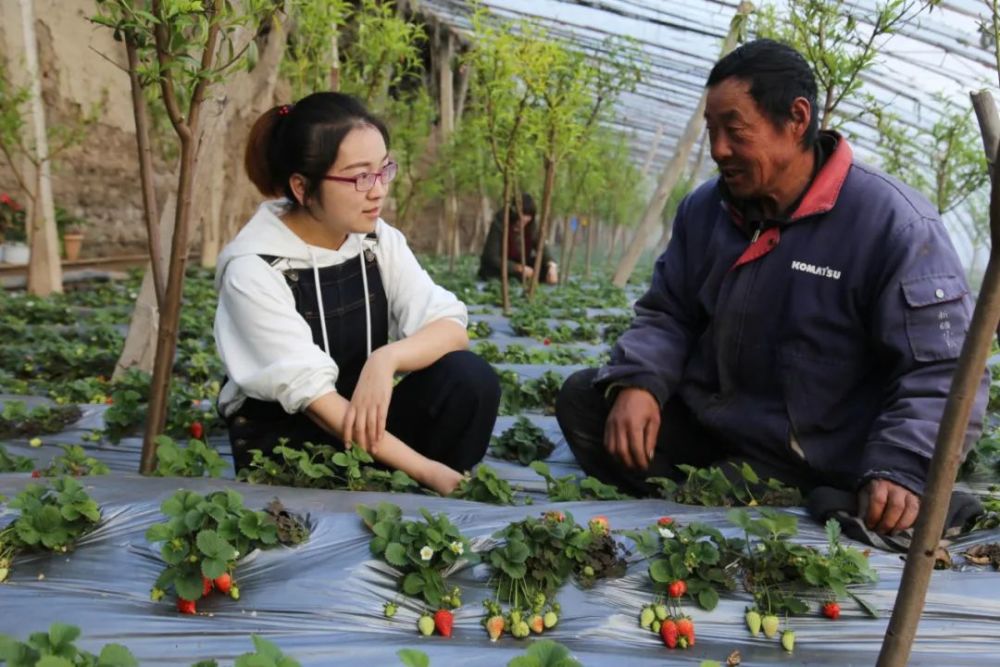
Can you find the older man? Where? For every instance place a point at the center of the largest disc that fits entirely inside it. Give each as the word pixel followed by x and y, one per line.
pixel 805 318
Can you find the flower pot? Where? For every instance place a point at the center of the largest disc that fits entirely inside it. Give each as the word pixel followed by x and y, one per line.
pixel 16 253
pixel 72 242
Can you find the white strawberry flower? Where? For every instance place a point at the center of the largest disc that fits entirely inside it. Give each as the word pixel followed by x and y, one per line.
pixel 426 553
pixel 666 533
pixel 457 548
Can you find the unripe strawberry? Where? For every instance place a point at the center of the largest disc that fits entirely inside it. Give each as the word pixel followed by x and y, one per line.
pixel 537 624
pixel 550 619
pixel 494 627
pixel 661 612
pixel 788 640
pixel 753 622
pixel 646 617
pixel 770 625
pixel 426 625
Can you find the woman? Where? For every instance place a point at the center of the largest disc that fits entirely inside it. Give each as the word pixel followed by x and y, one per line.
pixel 321 303
pixel 522 224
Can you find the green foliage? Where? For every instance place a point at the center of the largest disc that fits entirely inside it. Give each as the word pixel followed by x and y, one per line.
pixel 523 442
pixel 479 329
pixel 196 460
pixel 537 556
pixel 313 25
pixel 324 467
pixel 413 658
pixel 204 536
pixel 696 553
pixel 838 41
pixel 545 653
pixel 17 420
pixel 52 518
pixel 55 648
pixel 265 654
pixel 547 356
pixel 990 518
pixel 776 571
pixel 74 462
pixel 424 552
pixel 711 487
pixel 14 463
pixel 484 486
pixel 571 488
pixel 540 392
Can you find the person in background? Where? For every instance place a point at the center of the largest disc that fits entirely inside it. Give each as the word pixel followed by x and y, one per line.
pixel 322 303
pixel 521 225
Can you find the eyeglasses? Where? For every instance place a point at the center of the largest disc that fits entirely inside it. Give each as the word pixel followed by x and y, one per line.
pixel 366 181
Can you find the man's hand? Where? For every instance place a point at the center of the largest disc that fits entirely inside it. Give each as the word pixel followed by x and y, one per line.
pixel 552 273
pixel 632 426
pixel 526 271
pixel 887 507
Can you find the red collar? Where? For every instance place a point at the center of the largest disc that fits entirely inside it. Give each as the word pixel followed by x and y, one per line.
pixel 825 188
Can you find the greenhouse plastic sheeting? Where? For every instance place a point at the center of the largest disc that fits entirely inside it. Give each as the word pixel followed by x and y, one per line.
pixel 321 602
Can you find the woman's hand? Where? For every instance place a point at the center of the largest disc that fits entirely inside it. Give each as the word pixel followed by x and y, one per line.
pixel 364 422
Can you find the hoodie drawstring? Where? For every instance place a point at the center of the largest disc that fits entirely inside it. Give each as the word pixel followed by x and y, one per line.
pixel 319 301
pixel 368 308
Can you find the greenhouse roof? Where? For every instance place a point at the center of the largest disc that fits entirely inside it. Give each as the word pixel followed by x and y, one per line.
pixel 939 52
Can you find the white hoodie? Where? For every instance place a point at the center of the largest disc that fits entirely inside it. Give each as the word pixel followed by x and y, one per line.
pixel 266 347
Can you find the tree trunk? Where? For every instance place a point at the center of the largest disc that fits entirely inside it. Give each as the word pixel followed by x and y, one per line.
pixel 44 268
pixel 672 173
pixel 547 191
pixel 571 243
pixel 648 162
pixel 446 107
pixel 139 350
pixel 335 62
pixel 591 238
pixel 505 239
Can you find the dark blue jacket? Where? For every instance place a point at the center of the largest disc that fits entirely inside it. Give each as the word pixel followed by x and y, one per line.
pixel 832 335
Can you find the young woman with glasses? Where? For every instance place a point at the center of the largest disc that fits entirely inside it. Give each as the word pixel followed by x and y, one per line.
pixel 322 303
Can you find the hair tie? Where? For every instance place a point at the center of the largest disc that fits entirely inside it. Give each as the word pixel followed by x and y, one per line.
pixel 284 109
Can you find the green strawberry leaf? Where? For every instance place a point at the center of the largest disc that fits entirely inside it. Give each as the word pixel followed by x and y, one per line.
pixel 116 655
pixel 413 658
pixel 395 554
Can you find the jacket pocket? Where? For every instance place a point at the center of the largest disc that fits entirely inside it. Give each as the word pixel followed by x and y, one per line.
pixel 937 316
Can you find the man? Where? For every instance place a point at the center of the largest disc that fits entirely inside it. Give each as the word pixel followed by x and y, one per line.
pixel 806 317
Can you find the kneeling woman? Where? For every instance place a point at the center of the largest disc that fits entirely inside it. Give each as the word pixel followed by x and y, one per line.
pixel 312 291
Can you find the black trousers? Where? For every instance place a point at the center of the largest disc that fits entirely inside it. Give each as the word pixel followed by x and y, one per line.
pixel 445 411
pixel 582 411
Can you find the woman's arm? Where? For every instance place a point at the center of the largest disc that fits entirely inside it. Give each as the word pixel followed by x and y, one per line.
pixel 329 412
pixel 369 407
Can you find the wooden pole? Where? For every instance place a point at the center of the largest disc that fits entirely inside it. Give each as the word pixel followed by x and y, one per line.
pixel 44 268
pixel 672 173
pixel 947 456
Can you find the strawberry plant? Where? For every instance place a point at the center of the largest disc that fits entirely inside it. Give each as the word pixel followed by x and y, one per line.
pixel 570 488
pixel 52 518
pixel 523 442
pixel 55 648
pixel 711 487
pixel 537 556
pixel 265 654
pixel 777 572
pixel 696 555
pixel 203 538
pixel 195 460
pixel 14 463
pixel 480 329
pixel 484 486
pixel 424 552
pixel 74 462
pixel 17 420
pixel 324 467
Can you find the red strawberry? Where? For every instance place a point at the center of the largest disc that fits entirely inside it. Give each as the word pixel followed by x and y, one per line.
pixel 831 610
pixel 110 400
pixel 546 341
pixel 668 632
pixel 443 621
pixel 685 628
pixel 664 521
pixel 197 430
pixel 677 588
pixel 36 473
pixel 223 583
pixel 206 585
pixel 185 606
